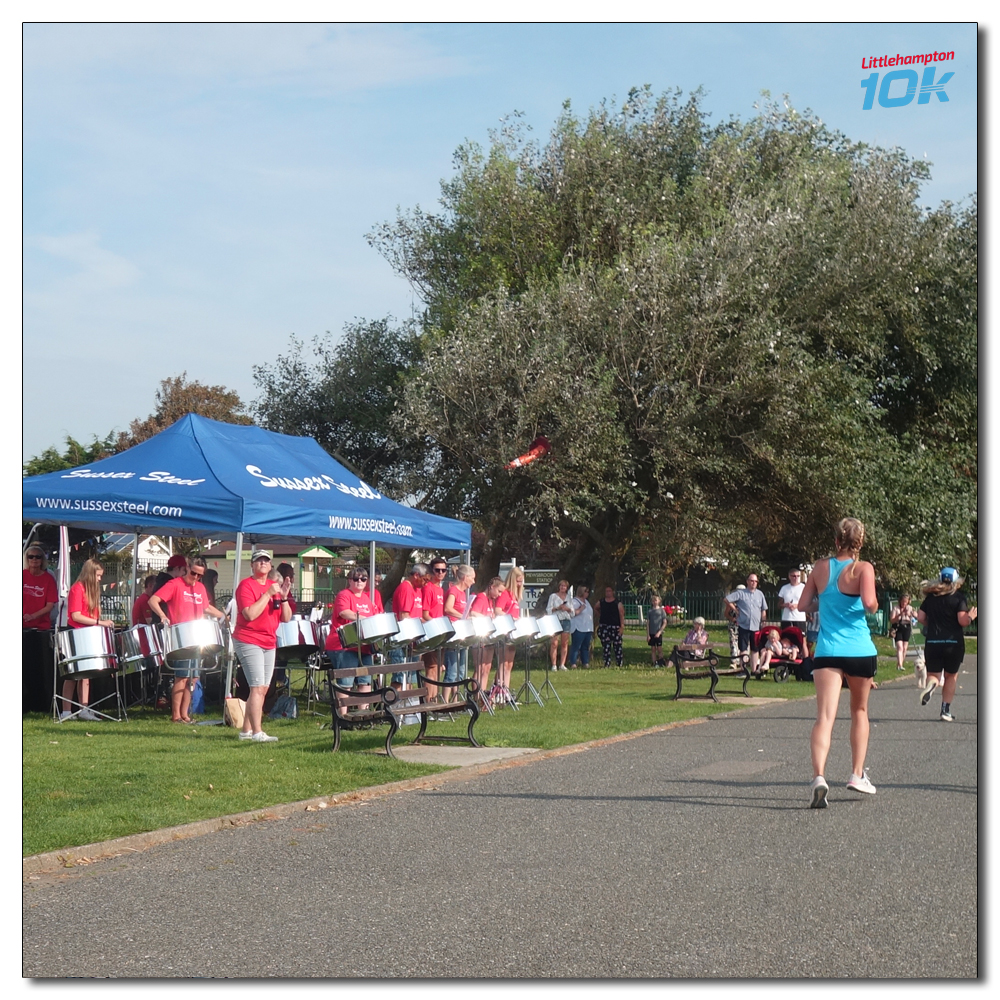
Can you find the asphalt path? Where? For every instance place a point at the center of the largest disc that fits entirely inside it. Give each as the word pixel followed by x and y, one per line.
pixel 689 852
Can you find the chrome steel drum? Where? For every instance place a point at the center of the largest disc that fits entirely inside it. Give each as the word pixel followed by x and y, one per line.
pixel 296 639
pixel 369 629
pixel 525 629
pixel 483 631
pixel 437 632
pixel 139 648
pixel 410 630
pixel 548 626
pixel 323 631
pixel 86 652
pixel 465 632
pixel 191 640
pixel 503 625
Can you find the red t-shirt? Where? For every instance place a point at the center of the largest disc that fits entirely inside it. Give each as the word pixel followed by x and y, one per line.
pixel 482 604
pixel 408 601
pixel 507 605
pixel 141 613
pixel 433 600
pixel 76 600
pixel 37 591
pixel 461 598
pixel 263 630
pixel 185 602
pixel 361 604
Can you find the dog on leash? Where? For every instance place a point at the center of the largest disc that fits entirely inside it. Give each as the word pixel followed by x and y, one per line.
pixel 920 669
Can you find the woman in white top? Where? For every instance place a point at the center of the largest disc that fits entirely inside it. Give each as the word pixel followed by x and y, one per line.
pixel 581 628
pixel 561 605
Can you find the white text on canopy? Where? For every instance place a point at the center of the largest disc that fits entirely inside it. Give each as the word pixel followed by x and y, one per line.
pixel 323 482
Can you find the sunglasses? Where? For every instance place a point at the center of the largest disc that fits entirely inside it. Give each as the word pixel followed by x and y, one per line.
pixel 438 569
pixel 197 576
pixel 39 558
pixel 359 579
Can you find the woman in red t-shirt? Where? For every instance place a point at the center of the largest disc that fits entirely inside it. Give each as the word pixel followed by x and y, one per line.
pixel 83 609
pixel 484 605
pixel 456 599
pixel 509 603
pixel 261 604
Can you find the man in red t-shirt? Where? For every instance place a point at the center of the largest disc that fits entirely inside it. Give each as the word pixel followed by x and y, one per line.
pixel 38 592
pixel 408 602
pixel 39 597
pixel 432 599
pixel 186 600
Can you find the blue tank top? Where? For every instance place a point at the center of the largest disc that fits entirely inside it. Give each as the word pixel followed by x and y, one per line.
pixel 843 630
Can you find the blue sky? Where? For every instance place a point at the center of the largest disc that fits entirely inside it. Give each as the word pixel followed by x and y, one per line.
pixel 194 194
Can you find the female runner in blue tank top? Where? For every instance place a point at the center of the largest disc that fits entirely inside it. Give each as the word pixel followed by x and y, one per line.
pixel 842 589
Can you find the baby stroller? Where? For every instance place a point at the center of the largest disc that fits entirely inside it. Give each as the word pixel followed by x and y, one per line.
pixel 781 666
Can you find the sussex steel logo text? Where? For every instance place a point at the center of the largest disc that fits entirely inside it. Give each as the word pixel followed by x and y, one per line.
pixel 899 87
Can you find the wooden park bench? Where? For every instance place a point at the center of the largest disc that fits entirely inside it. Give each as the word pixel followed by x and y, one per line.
pixel 384 705
pixel 713 665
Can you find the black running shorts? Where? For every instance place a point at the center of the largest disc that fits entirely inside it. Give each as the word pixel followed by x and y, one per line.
pixel 852 666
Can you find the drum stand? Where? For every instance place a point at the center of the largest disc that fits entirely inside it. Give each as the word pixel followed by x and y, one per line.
pixel 548 684
pixel 483 695
pixel 78 707
pixel 527 688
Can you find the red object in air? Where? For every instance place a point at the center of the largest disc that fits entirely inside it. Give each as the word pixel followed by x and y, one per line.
pixel 539 447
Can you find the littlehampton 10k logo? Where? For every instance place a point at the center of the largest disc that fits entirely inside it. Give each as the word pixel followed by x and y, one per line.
pixel 899 87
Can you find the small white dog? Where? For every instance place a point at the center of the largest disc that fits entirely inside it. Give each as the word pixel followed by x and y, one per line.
pixel 920 669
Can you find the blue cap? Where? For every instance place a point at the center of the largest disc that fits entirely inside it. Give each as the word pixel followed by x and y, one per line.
pixel 949 574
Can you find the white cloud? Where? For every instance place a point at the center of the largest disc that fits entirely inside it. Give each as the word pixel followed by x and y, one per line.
pixel 99 268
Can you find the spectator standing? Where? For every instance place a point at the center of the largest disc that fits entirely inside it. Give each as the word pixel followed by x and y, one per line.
pixel 751 612
pixel 581 628
pixel 611 626
pixel 843 588
pixel 656 621
pixel 788 599
pixel 902 618
pixel 944 612
pixel 177 565
pixel 560 604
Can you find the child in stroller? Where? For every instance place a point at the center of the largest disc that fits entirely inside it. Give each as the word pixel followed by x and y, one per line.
pixel 780 652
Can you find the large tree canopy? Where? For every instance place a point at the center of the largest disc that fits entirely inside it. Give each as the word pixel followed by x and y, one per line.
pixel 731 335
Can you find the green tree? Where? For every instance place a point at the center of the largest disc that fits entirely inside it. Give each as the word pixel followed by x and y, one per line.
pixel 722 332
pixel 76 454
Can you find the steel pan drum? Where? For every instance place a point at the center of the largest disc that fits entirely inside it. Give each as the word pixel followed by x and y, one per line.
pixel 437 632
pixel 191 640
pixel 369 629
pixel 296 639
pixel 525 629
pixel 410 630
pixel 548 626
pixel 85 652
pixel 483 631
pixel 503 625
pixel 464 634
pixel 139 648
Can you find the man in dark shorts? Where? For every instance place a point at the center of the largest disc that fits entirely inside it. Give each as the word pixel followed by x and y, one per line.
pixel 944 614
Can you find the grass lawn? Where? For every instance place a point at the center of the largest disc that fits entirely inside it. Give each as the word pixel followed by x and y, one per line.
pixel 87 782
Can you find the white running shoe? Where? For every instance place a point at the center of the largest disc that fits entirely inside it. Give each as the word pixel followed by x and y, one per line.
pixel 819 789
pixel 244 736
pixel 88 716
pixel 947 717
pixel 262 737
pixel 63 716
pixel 925 695
pixel 861 784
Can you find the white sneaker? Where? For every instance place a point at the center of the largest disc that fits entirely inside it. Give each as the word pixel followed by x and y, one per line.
pixel 563 667
pixel 244 736
pixel 63 716
pixel 262 737
pixel 947 717
pixel 819 789
pixel 925 695
pixel 553 668
pixel 861 784
pixel 88 716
